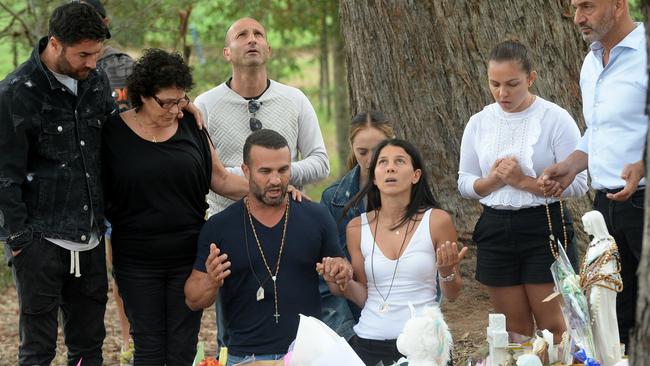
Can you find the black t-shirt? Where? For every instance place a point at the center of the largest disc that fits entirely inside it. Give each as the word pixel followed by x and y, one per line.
pixel 155 193
pixel 311 235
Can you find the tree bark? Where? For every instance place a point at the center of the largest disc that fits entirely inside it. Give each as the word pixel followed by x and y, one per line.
pixel 640 336
pixel 324 91
pixel 341 109
pixel 423 63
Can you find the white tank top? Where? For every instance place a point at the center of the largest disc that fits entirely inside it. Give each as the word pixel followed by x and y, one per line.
pixel 415 282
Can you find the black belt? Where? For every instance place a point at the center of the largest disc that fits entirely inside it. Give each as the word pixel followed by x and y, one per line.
pixel 373 342
pixel 521 211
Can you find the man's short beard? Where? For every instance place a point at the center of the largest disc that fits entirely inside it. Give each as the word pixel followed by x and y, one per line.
pixel 598 33
pixel 65 68
pixel 269 202
pixel 259 195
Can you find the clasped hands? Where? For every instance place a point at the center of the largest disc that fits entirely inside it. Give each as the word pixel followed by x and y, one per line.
pixel 335 270
pixel 506 171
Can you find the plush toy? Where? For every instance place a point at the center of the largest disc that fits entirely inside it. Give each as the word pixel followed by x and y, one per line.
pixel 425 339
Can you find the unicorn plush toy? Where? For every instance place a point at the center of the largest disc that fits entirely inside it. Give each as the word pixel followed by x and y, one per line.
pixel 425 339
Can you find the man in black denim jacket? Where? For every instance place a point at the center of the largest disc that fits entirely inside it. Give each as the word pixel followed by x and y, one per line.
pixel 51 203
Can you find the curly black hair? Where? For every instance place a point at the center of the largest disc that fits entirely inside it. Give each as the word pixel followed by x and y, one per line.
pixel 75 22
pixel 156 70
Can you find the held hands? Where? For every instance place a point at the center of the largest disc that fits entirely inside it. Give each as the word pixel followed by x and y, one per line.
pixel 217 266
pixel 631 174
pixel 296 195
pixel 448 257
pixel 335 270
pixel 555 179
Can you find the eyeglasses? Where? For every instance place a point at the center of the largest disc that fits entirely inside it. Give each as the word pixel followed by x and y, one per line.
pixel 254 123
pixel 181 103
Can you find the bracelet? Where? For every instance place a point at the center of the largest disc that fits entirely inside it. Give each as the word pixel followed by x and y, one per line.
pixel 449 278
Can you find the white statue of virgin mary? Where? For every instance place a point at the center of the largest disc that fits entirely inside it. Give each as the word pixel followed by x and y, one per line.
pixel 601 281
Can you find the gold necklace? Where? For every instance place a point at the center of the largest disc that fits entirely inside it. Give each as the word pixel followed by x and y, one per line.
pixel 143 129
pixel 551 238
pixel 384 306
pixel 274 276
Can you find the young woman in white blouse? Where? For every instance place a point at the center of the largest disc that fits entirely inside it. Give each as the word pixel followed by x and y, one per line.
pixel 505 147
pixel 397 249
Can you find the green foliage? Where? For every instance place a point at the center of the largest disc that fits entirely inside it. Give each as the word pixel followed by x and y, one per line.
pixel 328 129
pixel 22 23
pixel 159 24
pixel 635 10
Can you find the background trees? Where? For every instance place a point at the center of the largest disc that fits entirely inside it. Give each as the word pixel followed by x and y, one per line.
pixel 424 64
pixel 421 62
pixel 639 354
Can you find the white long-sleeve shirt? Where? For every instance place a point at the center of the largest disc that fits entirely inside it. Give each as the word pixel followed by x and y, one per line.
pixel 538 137
pixel 284 109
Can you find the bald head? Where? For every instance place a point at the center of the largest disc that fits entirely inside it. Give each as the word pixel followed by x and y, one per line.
pixel 246 45
pixel 242 23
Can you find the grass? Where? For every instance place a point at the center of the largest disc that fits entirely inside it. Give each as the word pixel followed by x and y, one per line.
pixel 6 278
pixel 328 129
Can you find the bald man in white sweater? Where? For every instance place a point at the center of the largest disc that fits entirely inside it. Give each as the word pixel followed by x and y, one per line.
pixel 249 101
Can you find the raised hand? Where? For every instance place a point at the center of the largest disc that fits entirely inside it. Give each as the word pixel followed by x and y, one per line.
pixel 448 257
pixel 217 266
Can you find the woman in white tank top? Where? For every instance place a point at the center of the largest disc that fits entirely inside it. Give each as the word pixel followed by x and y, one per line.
pixel 397 250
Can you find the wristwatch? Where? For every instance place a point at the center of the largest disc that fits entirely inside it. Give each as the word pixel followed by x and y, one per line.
pixel 449 278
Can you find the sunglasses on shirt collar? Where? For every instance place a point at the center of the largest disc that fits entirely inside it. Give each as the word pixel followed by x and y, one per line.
pixel 254 123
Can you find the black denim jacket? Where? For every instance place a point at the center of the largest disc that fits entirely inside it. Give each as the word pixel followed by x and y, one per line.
pixel 50 140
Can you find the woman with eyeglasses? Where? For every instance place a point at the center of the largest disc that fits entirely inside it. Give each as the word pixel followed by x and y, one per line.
pixel 157 169
pixel 366 131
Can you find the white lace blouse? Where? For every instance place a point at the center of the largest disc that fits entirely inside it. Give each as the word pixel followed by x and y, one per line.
pixel 538 137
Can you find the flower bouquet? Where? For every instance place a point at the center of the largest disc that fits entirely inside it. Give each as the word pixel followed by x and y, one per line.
pixel 575 308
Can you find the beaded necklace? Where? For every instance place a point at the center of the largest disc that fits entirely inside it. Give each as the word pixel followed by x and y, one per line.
pixel 272 274
pixel 592 274
pixel 552 243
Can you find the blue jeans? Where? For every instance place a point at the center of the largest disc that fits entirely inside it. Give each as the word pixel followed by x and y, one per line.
pixel 336 313
pixel 233 360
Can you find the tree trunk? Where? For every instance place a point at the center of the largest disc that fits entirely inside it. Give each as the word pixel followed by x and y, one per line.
pixel 423 63
pixel 640 337
pixel 341 109
pixel 324 91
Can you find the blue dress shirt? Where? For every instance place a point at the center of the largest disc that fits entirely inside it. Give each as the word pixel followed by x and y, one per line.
pixel 613 104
